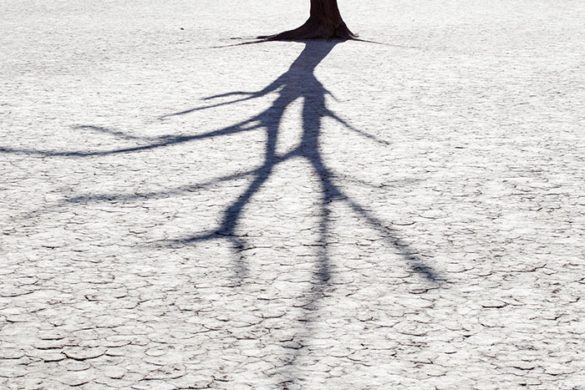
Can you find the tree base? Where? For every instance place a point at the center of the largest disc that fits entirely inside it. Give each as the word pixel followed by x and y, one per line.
pixel 314 29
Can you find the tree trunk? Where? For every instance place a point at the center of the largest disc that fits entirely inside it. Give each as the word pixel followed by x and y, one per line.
pixel 324 22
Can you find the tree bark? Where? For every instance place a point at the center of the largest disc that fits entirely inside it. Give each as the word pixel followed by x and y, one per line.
pixel 325 22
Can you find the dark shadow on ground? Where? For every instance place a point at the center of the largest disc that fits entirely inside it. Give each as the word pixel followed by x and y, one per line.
pixel 297 83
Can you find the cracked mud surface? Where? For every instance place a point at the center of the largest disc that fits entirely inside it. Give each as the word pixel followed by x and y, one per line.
pixel 290 215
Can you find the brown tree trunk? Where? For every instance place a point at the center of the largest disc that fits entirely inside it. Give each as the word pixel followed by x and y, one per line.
pixel 324 22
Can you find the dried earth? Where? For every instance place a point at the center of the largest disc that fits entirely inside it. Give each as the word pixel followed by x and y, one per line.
pixel 406 215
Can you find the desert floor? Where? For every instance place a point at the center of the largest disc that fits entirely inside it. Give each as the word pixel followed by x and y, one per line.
pixel 177 212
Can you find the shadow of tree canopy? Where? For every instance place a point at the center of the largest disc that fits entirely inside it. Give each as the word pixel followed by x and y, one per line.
pixel 297 83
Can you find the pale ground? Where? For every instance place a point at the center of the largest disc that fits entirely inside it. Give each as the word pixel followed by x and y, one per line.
pixel 431 237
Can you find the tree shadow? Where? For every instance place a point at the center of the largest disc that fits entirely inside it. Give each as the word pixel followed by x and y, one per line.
pixel 297 83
